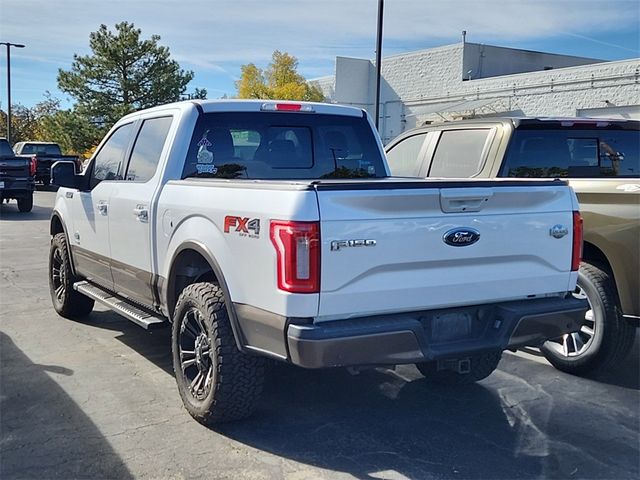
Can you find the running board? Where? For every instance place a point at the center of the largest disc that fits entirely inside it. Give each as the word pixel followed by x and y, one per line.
pixel 119 305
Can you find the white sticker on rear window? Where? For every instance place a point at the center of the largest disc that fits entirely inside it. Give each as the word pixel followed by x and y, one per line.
pixel 205 156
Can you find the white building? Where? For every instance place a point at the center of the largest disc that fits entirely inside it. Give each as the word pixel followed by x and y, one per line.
pixel 469 80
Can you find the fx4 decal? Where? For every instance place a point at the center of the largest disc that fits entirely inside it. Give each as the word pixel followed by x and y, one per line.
pixel 244 226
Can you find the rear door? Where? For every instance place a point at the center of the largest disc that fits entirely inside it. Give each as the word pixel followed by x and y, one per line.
pixel 131 212
pixel 384 248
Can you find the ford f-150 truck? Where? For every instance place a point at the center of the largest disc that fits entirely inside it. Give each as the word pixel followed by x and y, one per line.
pixel 271 230
pixel 16 177
pixel 601 160
pixel 44 154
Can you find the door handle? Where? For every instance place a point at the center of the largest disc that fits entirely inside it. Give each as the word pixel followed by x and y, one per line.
pixel 103 207
pixel 141 212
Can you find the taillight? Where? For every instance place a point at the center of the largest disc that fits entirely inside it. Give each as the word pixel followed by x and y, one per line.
pixel 298 255
pixel 576 255
pixel 33 166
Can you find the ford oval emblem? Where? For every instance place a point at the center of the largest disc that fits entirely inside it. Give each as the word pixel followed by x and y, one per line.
pixel 461 237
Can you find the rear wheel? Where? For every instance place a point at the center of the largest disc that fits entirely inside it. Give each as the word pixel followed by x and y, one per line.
pixel 480 367
pixel 605 338
pixel 66 301
pixel 216 381
pixel 25 204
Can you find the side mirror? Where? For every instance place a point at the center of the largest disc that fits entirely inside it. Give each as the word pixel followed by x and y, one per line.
pixel 63 174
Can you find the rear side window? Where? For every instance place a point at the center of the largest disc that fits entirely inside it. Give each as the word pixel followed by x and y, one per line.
pixel 277 145
pixel 403 157
pixel 574 153
pixel 459 153
pixel 148 148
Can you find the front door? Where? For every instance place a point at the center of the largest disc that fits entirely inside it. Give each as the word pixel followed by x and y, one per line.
pixel 91 210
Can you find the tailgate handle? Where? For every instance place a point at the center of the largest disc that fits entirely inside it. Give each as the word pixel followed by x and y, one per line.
pixel 458 200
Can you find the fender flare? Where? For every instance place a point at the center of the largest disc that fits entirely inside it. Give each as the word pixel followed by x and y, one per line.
pixel 56 215
pixel 167 286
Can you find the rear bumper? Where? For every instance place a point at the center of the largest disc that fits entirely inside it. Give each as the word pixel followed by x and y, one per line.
pixel 433 335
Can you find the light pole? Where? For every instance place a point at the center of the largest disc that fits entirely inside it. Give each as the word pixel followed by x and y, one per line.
pixel 378 59
pixel 9 45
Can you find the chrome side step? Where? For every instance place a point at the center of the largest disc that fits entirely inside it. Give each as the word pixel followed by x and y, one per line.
pixel 119 305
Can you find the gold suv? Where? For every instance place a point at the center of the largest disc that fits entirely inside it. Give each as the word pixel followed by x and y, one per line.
pixel 601 160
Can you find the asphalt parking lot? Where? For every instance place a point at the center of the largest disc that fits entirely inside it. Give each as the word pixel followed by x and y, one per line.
pixel 97 399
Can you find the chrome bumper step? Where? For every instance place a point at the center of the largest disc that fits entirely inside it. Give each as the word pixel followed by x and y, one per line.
pixel 119 305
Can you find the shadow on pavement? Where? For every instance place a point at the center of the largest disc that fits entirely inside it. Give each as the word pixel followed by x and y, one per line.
pixel 379 424
pixel 527 420
pixel 43 432
pixel 154 345
pixel 626 376
pixel 9 211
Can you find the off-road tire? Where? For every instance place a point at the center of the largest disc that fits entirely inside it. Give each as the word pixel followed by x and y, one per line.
pixel 482 366
pixel 25 204
pixel 613 334
pixel 67 302
pixel 236 379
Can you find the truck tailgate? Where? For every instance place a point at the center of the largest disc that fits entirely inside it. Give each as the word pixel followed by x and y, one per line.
pixel 384 250
pixel 14 167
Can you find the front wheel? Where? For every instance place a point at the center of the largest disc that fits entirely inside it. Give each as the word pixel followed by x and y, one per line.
pixel 604 340
pixel 217 382
pixel 66 301
pixel 25 204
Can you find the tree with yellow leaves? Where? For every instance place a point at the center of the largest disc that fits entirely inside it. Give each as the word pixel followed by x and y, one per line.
pixel 280 81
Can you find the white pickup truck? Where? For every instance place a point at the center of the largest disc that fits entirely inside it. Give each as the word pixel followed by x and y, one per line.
pixel 272 230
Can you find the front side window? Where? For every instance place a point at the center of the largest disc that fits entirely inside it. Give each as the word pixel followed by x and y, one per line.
pixel 459 153
pixel 573 153
pixel 278 145
pixel 108 163
pixel 403 158
pixel 146 152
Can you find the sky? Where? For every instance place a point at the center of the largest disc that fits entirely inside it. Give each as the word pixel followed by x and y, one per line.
pixel 214 38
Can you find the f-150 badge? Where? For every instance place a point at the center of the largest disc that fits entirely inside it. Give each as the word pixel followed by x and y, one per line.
pixel 340 244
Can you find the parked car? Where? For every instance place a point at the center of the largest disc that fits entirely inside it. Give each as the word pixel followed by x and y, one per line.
pixel 296 246
pixel 601 160
pixel 16 177
pixel 45 154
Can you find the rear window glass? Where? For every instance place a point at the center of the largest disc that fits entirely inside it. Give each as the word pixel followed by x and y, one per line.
pixel 574 153
pixel 5 148
pixel 283 146
pixel 41 149
pixel 459 153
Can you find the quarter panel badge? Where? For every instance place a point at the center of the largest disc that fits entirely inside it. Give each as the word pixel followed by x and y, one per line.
pixel 558 231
